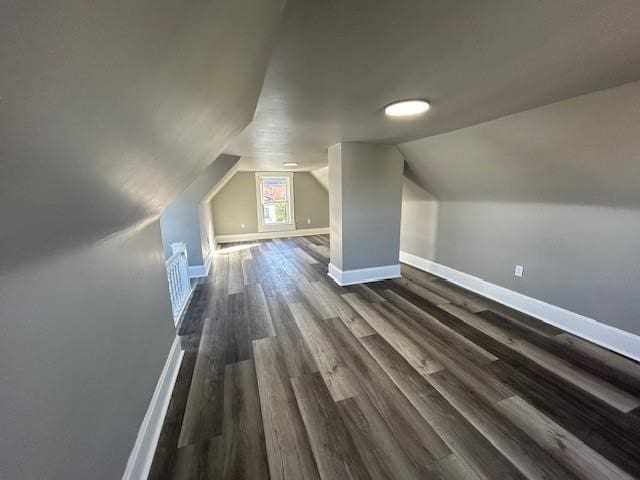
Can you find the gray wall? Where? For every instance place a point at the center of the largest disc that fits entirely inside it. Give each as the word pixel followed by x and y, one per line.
pixel 419 221
pixel 236 204
pixel 187 219
pixel 368 206
pixel 555 189
pixel 585 259
pixel 311 201
pixel 84 338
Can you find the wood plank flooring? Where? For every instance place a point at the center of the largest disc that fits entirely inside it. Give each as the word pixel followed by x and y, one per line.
pixel 288 376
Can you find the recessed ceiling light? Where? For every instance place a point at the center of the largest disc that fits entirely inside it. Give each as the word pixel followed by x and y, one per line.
pixel 289 164
pixel 406 108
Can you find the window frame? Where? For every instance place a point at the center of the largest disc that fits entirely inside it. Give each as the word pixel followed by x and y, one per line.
pixel 275 227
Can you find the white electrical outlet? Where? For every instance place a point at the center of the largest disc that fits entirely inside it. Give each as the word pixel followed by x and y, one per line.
pixel 519 271
pixel 308 221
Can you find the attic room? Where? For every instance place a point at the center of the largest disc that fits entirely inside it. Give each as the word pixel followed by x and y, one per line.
pixel 260 239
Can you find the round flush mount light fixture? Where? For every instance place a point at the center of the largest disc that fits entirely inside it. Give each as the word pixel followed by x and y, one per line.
pixel 407 108
pixel 289 164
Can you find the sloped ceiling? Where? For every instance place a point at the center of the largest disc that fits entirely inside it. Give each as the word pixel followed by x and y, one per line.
pixel 109 109
pixel 337 63
pixel 585 150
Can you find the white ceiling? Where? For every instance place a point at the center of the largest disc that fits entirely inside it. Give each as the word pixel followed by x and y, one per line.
pixel 338 63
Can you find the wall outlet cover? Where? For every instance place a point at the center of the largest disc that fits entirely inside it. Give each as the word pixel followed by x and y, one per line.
pixel 519 271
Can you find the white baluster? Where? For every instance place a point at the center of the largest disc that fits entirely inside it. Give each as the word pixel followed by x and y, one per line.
pixel 172 276
pixel 178 277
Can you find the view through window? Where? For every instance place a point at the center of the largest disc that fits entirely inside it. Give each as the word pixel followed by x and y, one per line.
pixel 275 200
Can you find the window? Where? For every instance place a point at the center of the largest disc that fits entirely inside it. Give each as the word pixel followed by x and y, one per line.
pixel 275 201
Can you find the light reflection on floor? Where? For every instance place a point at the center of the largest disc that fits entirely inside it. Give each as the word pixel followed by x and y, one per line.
pixel 235 248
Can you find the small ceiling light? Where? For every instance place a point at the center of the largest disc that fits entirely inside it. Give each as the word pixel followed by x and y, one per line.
pixel 289 164
pixel 407 108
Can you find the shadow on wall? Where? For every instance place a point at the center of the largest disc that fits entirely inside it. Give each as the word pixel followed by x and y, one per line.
pixel 322 176
pixel 419 222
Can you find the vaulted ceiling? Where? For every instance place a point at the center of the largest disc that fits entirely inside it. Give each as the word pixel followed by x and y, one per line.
pixel 583 150
pixel 337 63
pixel 109 109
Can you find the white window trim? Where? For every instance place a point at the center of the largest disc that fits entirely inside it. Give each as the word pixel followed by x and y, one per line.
pixel 281 227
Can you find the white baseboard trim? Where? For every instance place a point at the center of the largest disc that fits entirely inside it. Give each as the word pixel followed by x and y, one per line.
pixel 619 341
pixel 363 275
pixel 246 237
pixel 199 271
pixel 141 456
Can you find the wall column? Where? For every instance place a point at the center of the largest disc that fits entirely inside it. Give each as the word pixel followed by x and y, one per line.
pixel 365 200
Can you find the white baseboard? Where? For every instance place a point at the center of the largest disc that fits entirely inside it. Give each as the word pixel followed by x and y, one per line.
pixel 604 335
pixel 199 271
pixel 246 237
pixel 363 275
pixel 141 456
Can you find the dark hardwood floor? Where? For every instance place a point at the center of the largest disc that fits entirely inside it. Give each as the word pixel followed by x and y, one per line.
pixel 288 376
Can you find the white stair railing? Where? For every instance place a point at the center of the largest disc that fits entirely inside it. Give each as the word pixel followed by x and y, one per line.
pixel 178 276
